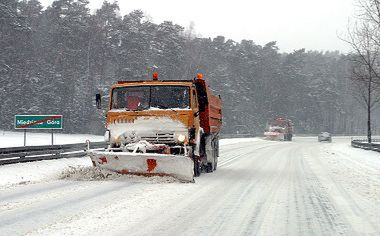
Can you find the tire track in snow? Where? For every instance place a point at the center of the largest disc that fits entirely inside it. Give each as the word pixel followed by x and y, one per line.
pixel 354 209
pixel 18 191
pixel 263 203
pixel 34 193
pixel 242 194
pixel 21 221
pixel 206 207
pixel 245 154
pixel 317 200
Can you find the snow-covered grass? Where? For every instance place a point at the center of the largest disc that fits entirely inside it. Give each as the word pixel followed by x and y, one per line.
pixel 15 139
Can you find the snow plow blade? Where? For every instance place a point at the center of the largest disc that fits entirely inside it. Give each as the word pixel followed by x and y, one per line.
pixel 147 164
pixel 274 136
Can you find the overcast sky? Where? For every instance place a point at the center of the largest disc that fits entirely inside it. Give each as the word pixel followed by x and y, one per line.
pixel 294 24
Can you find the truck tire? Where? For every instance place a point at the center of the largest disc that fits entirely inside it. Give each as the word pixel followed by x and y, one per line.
pixel 216 148
pixel 197 167
pixel 196 161
pixel 210 165
pixel 209 168
pixel 206 146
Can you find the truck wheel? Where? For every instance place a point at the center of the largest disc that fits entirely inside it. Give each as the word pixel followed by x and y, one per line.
pixel 197 168
pixel 216 152
pixel 215 163
pixel 211 166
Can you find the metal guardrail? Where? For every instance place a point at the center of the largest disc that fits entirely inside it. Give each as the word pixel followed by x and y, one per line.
pixel 47 152
pixel 363 144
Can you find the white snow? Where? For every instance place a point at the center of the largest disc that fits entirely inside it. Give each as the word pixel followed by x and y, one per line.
pixel 22 173
pixel 260 188
pixel 239 140
pixel 40 170
pixel 52 169
pixel 15 139
pixel 145 126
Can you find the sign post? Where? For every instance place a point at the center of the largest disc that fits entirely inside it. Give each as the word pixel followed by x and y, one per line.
pixel 38 122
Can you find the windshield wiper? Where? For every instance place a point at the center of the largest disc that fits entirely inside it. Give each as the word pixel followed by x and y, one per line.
pixel 165 107
pixel 126 109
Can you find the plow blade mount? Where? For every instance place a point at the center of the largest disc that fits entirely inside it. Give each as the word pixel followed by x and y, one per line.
pixel 147 164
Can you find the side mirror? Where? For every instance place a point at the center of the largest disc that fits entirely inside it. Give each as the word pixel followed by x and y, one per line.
pixel 98 100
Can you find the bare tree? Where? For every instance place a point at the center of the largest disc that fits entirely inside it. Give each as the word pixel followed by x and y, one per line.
pixel 363 37
pixel 367 92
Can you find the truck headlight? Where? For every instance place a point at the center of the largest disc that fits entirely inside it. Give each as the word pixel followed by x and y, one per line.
pixel 181 138
pixel 107 136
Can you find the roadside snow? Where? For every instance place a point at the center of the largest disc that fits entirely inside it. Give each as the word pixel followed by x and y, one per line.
pixel 23 173
pixel 357 169
pixel 15 139
pixel 72 168
pixel 40 170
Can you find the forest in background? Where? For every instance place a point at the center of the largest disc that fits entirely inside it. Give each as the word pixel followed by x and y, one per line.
pixel 54 61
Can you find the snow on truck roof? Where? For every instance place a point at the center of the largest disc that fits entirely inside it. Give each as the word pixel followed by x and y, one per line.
pixel 153 82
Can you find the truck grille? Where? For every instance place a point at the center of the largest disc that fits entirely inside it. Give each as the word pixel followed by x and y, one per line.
pixel 160 138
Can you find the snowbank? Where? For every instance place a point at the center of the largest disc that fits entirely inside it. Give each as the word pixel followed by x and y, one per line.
pixel 39 170
pixel 15 139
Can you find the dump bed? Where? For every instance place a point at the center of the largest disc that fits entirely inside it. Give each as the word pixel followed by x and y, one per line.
pixel 211 115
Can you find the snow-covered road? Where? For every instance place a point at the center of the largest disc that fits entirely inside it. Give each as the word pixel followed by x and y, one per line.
pixel 260 188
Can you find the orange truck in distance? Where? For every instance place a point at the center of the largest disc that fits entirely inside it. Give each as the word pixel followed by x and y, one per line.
pixel 279 129
pixel 161 127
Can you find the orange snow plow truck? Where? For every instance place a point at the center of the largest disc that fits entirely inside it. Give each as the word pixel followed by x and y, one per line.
pixel 161 127
pixel 279 129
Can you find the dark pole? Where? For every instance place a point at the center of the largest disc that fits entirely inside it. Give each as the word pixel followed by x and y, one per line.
pixel 369 130
pixel 52 135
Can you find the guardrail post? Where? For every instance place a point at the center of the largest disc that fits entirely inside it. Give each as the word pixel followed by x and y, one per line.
pixel 88 144
pixel 24 137
pixel 52 137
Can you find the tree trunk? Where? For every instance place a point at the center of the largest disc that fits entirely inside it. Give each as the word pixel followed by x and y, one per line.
pixel 369 133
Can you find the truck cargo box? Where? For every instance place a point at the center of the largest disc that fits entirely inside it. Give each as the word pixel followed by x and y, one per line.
pixel 210 108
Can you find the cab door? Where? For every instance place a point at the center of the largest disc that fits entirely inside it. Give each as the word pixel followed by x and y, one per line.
pixel 195 109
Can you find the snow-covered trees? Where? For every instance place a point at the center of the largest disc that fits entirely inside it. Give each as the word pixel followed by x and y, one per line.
pixel 55 61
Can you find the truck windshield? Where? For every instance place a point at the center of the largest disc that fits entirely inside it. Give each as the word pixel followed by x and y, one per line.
pixel 150 97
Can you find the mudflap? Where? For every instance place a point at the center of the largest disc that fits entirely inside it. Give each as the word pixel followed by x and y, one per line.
pixel 147 164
